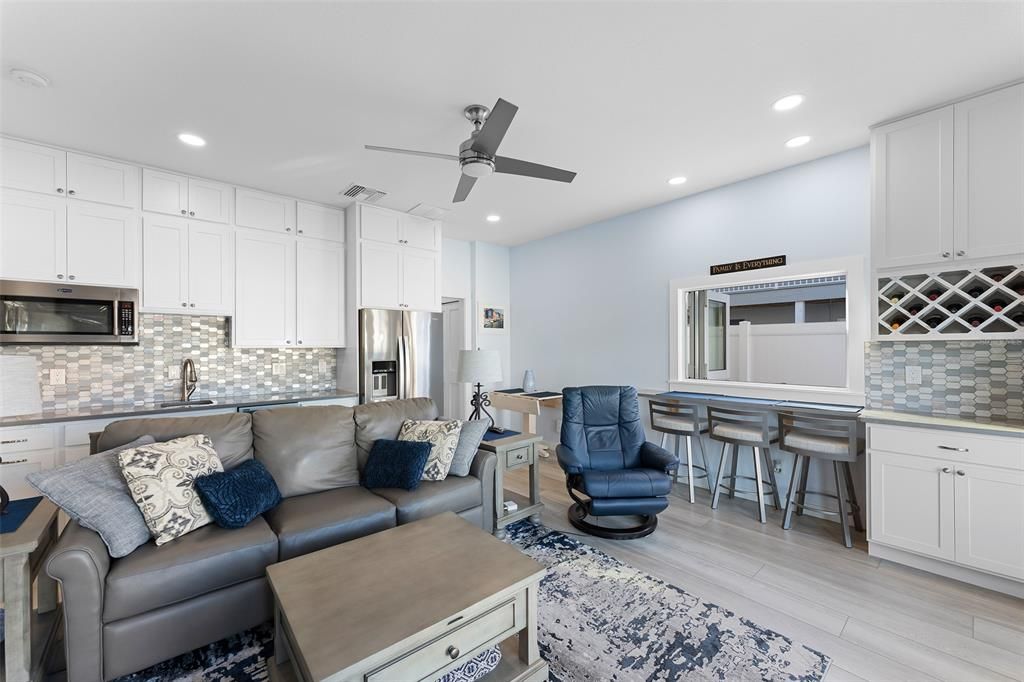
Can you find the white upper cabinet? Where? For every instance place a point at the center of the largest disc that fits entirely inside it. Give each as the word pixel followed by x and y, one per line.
pixel 264 211
pixel 102 180
pixel 320 222
pixel 33 232
pixel 398 260
pixel 913 190
pixel 420 232
pixel 164 263
pixel 264 290
pixel 211 269
pixel 380 278
pixel 32 167
pixel 103 245
pixel 989 153
pixel 421 280
pixel 379 225
pixel 175 194
pixel 320 288
pixel 188 267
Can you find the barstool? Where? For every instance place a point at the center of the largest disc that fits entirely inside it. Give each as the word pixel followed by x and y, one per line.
pixel 751 428
pixel 832 439
pixel 682 421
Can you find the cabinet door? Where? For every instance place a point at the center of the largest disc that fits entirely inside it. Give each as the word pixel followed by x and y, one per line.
pixel 264 211
pixel 320 294
pixel 264 290
pixel 164 263
pixel 990 174
pixel 320 222
pixel 211 269
pixel 911 503
pixel 33 233
pixel 108 182
pixel 912 221
pixel 379 273
pixel 990 519
pixel 164 192
pixel 209 200
pixel 421 280
pixel 103 244
pixel 379 224
pixel 32 167
pixel 420 233
pixel 13 473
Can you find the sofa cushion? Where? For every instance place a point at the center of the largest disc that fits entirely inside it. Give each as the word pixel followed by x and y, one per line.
pixel 231 433
pixel 205 560
pixel 385 419
pixel 454 494
pixel 307 523
pixel 307 449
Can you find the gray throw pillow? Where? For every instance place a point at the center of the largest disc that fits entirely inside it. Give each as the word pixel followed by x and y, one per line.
pixel 469 442
pixel 93 492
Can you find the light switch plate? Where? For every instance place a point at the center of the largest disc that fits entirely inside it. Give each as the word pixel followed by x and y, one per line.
pixel 58 377
pixel 913 374
pixel 277 368
pixel 173 372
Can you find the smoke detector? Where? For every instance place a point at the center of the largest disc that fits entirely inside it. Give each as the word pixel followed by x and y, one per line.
pixel 363 193
pixel 29 78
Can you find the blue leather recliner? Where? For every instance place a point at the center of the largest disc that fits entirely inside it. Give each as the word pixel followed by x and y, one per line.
pixel 606 457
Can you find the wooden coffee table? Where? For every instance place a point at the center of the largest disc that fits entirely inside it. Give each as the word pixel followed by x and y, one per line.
pixel 408 603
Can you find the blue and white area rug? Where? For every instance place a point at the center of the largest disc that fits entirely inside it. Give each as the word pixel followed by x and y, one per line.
pixel 601 619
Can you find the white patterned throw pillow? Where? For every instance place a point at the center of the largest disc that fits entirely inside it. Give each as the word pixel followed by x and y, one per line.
pixel 443 437
pixel 161 478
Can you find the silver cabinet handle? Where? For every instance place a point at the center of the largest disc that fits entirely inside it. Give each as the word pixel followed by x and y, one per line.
pixel 950 447
pixel 13 461
pixel 453 652
pixel 947 470
pixel 287 229
pixel 71 192
pixel 945 254
pixel 184 212
pixel 961 252
pixel 60 190
pixel 192 305
pixel 300 340
pixel 184 305
pixel 60 276
pixel 12 442
pixel 71 276
pixel 287 340
pixel 300 232
pixel 961 472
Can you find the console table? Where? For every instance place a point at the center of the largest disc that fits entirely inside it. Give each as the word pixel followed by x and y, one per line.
pixel 515 452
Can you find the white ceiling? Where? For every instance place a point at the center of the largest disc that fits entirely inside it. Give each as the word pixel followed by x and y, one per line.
pixel 626 93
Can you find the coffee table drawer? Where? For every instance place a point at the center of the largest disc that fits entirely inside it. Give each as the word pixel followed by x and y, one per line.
pixel 458 643
pixel 519 457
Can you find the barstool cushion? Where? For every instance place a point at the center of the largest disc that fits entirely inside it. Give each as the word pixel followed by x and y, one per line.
pixel 812 443
pixel 739 432
pixel 678 424
pixel 626 483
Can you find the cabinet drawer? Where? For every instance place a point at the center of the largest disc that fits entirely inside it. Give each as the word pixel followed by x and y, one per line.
pixel 17 466
pixel 997 451
pixel 518 457
pixel 26 439
pixel 456 644
pixel 77 433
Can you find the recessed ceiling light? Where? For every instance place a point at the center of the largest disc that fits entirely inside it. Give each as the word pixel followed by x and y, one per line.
pixel 29 78
pixel 798 141
pixel 192 140
pixel 493 218
pixel 788 102
pixel 678 180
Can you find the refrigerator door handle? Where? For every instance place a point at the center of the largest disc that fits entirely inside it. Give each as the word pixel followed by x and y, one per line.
pixel 401 368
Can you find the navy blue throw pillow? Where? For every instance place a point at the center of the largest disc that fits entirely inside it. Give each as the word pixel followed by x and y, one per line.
pixel 396 464
pixel 234 498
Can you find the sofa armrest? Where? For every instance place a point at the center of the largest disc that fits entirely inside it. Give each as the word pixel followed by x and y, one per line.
pixel 80 562
pixel 656 457
pixel 483 468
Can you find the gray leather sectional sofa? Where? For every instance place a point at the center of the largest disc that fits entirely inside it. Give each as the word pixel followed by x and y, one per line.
pixel 123 615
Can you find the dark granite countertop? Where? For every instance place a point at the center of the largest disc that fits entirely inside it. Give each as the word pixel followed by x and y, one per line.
pixel 153 407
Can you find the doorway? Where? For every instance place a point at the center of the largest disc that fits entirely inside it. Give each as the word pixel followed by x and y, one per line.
pixel 456 338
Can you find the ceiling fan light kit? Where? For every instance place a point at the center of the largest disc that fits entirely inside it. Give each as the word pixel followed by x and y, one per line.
pixel 478 155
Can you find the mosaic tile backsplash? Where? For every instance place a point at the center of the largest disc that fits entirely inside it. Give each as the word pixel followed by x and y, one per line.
pixel 983 379
pixel 112 375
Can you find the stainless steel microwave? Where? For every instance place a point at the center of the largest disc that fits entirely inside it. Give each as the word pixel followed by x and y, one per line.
pixel 44 313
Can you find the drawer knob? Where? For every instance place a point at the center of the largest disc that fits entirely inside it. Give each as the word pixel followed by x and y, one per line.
pixel 21 461
pixel 950 447
pixel 453 652
pixel 947 470
pixel 961 472
pixel 11 442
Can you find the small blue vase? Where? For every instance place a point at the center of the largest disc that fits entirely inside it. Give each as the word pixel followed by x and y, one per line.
pixel 529 381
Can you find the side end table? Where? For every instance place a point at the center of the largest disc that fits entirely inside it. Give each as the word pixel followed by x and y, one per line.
pixel 515 452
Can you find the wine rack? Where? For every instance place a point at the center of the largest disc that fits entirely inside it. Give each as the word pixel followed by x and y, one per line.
pixel 968 303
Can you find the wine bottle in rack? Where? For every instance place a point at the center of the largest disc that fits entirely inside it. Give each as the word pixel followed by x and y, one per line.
pixel 997 305
pixel 934 294
pixel 954 308
pixel 1018 319
pixel 896 322
pixel 933 321
pixel 975 320
pixel 975 292
pixel 895 300
pixel 913 310
pixel 998 277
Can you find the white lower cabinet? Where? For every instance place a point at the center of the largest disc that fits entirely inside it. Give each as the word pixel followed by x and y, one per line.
pixel 948 495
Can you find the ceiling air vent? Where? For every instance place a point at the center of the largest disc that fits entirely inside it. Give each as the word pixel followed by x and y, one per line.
pixel 365 194
pixel 428 211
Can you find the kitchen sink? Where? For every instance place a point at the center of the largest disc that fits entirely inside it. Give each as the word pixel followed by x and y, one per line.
pixel 188 403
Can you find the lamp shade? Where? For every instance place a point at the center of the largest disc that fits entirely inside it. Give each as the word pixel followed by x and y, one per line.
pixel 479 366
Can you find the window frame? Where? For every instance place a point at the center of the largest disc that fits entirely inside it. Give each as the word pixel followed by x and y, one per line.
pixel 857 331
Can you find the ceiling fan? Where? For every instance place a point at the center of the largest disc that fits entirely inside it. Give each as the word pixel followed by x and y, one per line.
pixel 478 156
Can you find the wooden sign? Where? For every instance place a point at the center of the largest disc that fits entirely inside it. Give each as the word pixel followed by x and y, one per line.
pixel 755 264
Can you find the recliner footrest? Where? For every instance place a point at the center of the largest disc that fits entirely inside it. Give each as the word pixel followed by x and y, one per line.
pixel 626 506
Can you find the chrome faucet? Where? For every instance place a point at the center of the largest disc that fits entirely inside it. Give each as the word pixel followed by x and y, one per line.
pixel 189 379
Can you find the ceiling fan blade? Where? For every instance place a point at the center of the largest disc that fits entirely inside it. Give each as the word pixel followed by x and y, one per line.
pixel 450 157
pixel 503 164
pixel 462 191
pixel 495 127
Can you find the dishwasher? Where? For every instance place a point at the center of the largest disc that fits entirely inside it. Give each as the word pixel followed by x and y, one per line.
pixel 269 406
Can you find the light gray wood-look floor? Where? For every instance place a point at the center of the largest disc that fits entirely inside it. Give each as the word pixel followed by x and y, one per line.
pixel 877 620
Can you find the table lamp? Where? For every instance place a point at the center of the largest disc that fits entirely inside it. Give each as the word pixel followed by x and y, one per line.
pixel 479 367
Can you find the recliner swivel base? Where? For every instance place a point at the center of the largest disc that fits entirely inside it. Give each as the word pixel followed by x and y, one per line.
pixel 578 518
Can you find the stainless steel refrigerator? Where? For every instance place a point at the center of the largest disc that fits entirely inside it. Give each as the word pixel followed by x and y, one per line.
pixel 401 355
